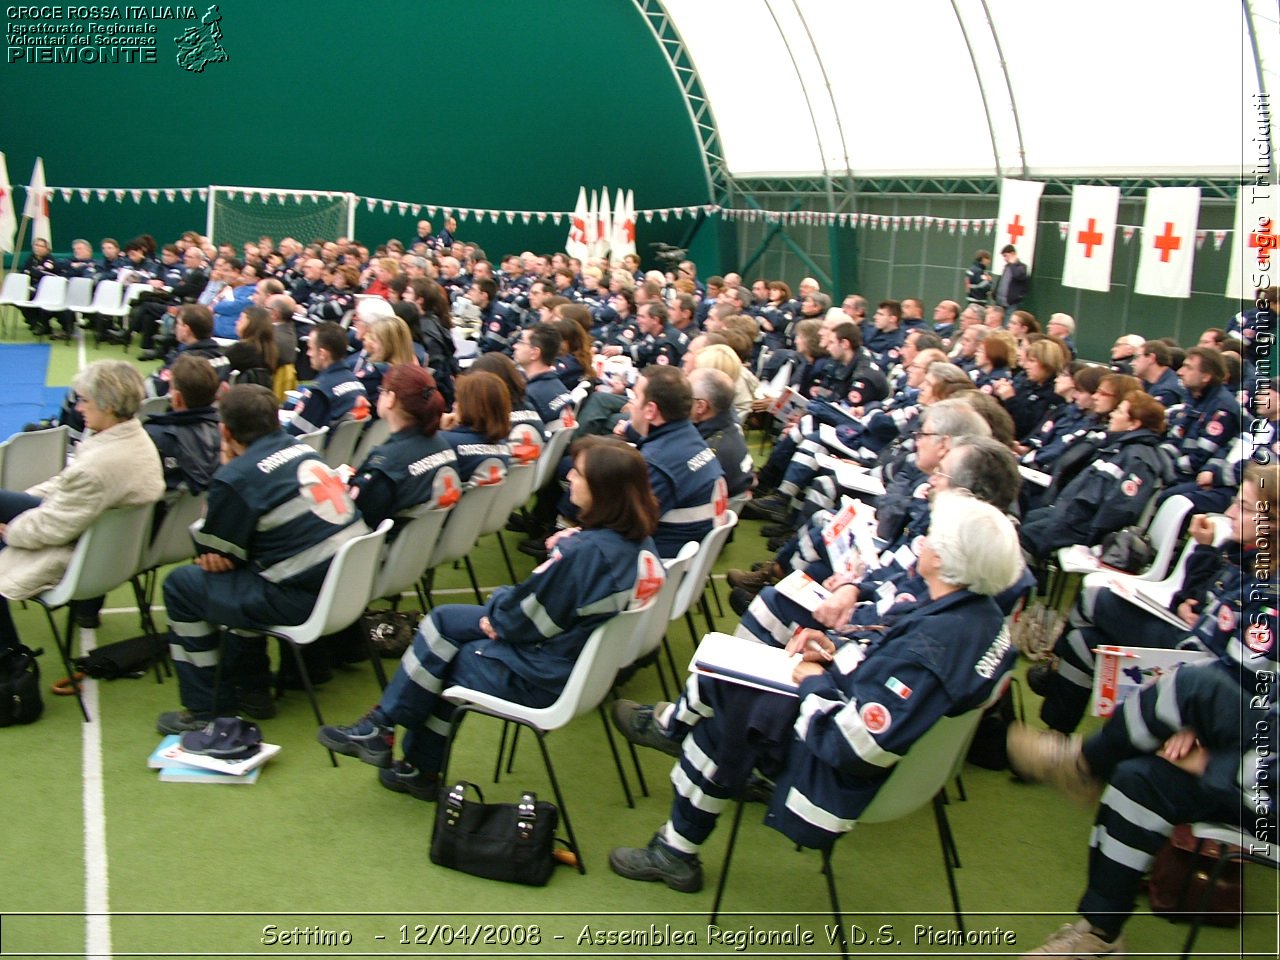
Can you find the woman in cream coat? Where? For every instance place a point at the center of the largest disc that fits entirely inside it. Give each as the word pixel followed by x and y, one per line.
pixel 115 466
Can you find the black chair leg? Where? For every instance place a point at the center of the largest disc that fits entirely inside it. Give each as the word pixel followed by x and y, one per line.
pixel 728 857
pixel 502 749
pixel 506 556
pixel 375 658
pixel 711 582
pixel 837 915
pixel 64 651
pixel 564 810
pixel 706 612
pixel 306 683
pixel 617 758
pixel 947 840
pixel 475 584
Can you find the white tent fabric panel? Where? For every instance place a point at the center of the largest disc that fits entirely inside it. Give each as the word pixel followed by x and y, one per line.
pixel 1120 87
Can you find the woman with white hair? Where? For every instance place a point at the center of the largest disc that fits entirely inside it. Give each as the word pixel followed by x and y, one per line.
pixel 116 465
pixel 859 707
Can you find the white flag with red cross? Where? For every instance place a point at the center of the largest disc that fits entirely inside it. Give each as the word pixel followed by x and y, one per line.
pixel 1016 224
pixel 604 226
pixel 37 206
pixel 1255 243
pixel 576 243
pixel 1168 242
pixel 1091 238
pixel 8 215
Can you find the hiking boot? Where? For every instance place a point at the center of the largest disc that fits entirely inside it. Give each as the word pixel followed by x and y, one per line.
pixel 739 600
pixel 366 740
pixel 180 721
pixel 1078 940
pixel 257 704
pixel 758 789
pixel 1039 677
pixel 775 507
pixel 777 543
pixel 753 581
pixel 785 529
pixel 1046 756
pixel 403 777
pixel 635 722
pixel 535 547
pixel 658 863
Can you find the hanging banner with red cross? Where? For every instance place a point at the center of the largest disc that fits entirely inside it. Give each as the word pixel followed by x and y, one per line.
pixel 1168 245
pixel 1091 238
pixel 1255 243
pixel 1016 225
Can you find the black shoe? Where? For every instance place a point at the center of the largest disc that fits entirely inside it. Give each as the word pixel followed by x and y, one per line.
pixel 59 335
pixel 777 543
pixel 257 704
pixel 739 600
pixel 534 547
pixel 39 425
pixel 774 530
pixel 151 354
pixel 758 790
pixel 635 722
pixel 775 507
pixel 403 777
pixel 658 863
pixel 1039 676
pixel 366 740
pixel 519 523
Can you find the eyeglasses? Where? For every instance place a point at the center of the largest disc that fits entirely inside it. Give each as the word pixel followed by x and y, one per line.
pixel 939 474
pixel 924 433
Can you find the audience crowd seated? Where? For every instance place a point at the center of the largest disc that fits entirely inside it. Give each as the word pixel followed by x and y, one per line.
pixel 925 425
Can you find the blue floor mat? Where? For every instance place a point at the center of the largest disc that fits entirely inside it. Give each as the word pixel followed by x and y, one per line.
pixel 23 395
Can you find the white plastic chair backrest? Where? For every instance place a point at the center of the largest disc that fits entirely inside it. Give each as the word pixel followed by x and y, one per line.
pixel 552 453
pixel 105 556
pixel 346 591
pixel 407 557
pixel 106 296
pixel 315 439
pixel 578 395
pixel 171 542
pixel 695 579
pixel 79 293
pixel 463 526
pixel 153 406
pixel 1163 533
pixel 738 501
pixel 31 458
pixel 589 682
pixel 51 293
pixel 132 292
pixel 17 286
pixel 375 435
pixel 927 766
pixel 1221 531
pixel 463 346
pixel 647 637
pixel 341 447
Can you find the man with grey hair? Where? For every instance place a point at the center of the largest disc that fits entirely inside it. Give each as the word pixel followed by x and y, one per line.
pixel 1063 326
pixel 713 415
pixel 282 308
pixel 1123 351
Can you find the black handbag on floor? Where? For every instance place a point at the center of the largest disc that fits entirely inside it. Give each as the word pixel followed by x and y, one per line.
pixel 20 700
pixel 498 841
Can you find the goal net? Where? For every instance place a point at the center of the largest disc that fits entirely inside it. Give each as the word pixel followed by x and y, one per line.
pixel 238 215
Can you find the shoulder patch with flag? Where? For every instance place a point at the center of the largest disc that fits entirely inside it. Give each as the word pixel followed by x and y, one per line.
pixel 897 687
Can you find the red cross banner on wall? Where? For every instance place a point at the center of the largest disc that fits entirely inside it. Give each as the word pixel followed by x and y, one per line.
pixel 1255 242
pixel 1091 238
pixel 1167 250
pixel 1018 220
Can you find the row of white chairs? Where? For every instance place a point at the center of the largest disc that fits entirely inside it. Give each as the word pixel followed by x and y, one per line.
pixel 81 295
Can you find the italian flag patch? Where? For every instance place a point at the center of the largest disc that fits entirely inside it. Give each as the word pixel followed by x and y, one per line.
pixel 898 687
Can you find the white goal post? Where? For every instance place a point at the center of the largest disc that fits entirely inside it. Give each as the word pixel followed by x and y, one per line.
pixel 238 215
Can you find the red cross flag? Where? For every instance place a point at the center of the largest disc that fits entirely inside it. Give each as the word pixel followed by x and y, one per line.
pixel 624 225
pixel 8 217
pixel 37 206
pixel 1168 242
pixel 1091 238
pixel 576 243
pixel 1255 242
pixel 1016 224
pixel 604 225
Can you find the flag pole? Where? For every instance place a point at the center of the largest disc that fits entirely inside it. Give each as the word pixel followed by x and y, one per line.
pixel 17 244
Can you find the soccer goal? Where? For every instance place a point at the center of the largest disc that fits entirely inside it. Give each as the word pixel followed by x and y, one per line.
pixel 237 215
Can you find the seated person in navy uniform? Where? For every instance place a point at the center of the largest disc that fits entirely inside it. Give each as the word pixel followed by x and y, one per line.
pixel 416 464
pixel 536 350
pixel 1151 365
pixel 478 426
pixel 713 415
pixel 655 340
pixel 523 643
pixel 860 708
pixel 276 517
pixel 498 323
pixel 336 394
pixel 40 264
pixel 1198 744
pixel 1206 424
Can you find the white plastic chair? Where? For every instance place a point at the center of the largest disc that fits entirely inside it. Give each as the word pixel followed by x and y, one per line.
pixel 1163 533
pixel 16 289
pixel 343 597
pixel 170 542
pixel 106 555
pixel 375 435
pixel 79 296
pixel 153 407
pixel 552 453
pixel 920 776
pixel 51 295
pixel 460 533
pixel 526 442
pixel 343 438
pixel 589 683
pixel 315 440
pixel 33 457
pixel 695 581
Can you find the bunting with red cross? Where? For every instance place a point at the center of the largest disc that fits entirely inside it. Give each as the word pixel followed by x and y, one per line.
pixel 1016 224
pixel 1091 238
pixel 1168 242
pixel 1255 243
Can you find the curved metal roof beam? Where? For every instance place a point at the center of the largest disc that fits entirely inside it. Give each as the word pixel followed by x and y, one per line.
pixel 808 103
pixel 835 107
pixel 1013 103
pixel 982 88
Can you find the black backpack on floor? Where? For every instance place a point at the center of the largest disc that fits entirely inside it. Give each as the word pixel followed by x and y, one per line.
pixel 20 686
